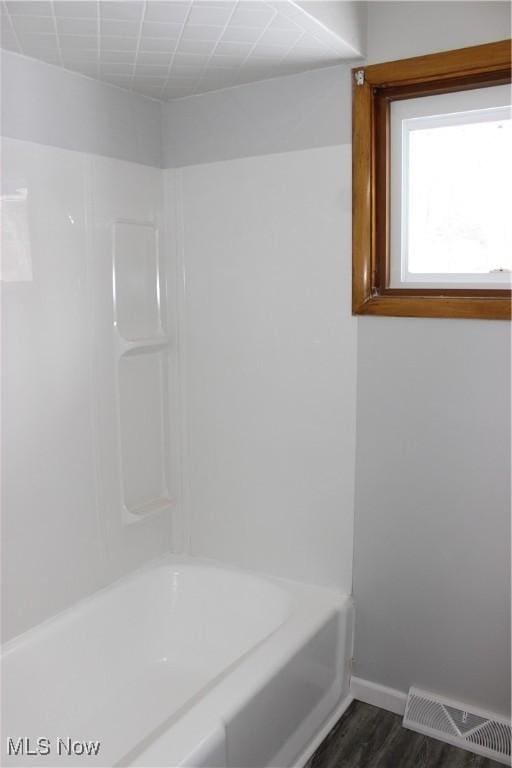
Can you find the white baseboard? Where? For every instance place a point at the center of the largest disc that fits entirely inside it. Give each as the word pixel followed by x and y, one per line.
pixel 324 731
pixel 378 695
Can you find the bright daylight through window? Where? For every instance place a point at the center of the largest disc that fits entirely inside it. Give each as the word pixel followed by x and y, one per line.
pixel 452 208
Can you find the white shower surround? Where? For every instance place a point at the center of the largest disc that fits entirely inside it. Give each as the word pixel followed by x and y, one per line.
pixel 62 402
pixel 181 664
pixel 298 425
pixel 290 364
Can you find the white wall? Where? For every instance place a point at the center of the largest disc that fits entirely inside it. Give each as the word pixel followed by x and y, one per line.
pixel 432 543
pixel 49 105
pixel 270 362
pixel 396 30
pixel 279 115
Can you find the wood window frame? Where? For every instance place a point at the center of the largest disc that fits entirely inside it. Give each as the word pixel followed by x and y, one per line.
pixel 374 88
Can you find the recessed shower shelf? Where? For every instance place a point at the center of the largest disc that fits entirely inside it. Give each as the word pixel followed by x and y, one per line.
pixel 147 509
pixel 139 346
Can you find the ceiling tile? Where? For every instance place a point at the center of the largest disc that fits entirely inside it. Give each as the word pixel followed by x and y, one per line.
pixel 37 42
pixel 247 15
pixel 116 68
pixel 226 62
pixel 78 55
pixel 173 48
pixel 33 25
pixel 77 26
pixel 273 52
pixel 162 44
pixel 290 10
pixel 171 11
pixel 128 57
pixel 72 9
pixel 118 43
pixel 8 39
pixel 283 22
pixel 197 60
pixel 152 82
pixel 156 29
pixel 118 27
pixel 233 49
pixel 27 8
pixel 77 42
pixel 241 34
pixel 282 37
pixel 183 71
pixel 196 46
pixel 209 15
pixel 158 58
pixel 177 92
pixel 123 81
pixel 151 70
pixel 308 45
pixel 127 11
pixel 201 33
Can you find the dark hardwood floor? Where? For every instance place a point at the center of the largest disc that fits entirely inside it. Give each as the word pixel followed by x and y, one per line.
pixel 368 737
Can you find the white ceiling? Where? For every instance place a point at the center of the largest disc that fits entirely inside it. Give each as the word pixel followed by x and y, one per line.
pixel 167 50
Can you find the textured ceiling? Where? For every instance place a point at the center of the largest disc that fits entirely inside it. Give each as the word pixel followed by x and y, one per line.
pixel 171 49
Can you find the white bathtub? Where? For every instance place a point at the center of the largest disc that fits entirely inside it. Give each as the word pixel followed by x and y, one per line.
pixel 182 663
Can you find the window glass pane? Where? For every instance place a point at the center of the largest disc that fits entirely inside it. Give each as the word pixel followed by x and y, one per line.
pixel 458 194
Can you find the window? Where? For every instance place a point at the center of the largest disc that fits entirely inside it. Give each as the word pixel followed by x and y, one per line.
pixel 450 190
pixel 432 143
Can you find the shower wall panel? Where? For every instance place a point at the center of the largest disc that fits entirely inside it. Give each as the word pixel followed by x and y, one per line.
pixel 269 362
pixel 88 364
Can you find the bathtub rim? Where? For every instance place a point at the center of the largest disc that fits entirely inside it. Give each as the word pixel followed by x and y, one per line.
pixel 310 607
pixel 291 586
pixel 316 604
pixel 161 561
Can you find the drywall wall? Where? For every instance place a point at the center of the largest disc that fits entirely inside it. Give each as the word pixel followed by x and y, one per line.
pixel 280 115
pixel 269 358
pixel 396 30
pixel 49 105
pixel 432 541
